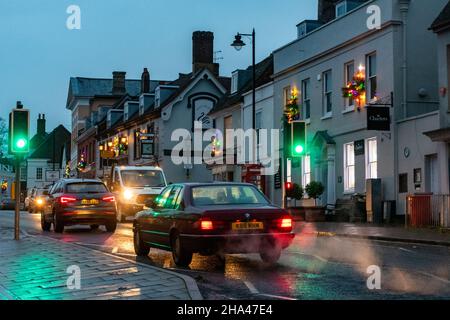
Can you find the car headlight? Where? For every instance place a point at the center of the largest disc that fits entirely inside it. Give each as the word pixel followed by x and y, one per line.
pixel 40 202
pixel 128 195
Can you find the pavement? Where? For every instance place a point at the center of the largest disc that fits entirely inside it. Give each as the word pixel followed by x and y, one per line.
pixel 42 268
pixel 373 232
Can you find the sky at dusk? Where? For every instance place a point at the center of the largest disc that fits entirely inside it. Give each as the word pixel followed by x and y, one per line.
pixel 38 54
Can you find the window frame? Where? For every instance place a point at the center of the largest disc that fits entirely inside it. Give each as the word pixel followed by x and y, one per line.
pixel 39 174
pixel 327 93
pixel 306 176
pixel 348 168
pixel 370 77
pixel 306 98
pixel 368 161
pixel 287 95
pixel 349 102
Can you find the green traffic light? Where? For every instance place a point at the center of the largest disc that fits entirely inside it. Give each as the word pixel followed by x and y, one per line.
pixel 21 143
pixel 299 149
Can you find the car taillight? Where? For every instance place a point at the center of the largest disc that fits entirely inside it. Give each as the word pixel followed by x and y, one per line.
pixel 286 223
pixel 66 200
pixel 206 225
pixel 109 199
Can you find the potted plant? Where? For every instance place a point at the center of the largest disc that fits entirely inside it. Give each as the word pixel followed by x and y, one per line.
pixel 316 213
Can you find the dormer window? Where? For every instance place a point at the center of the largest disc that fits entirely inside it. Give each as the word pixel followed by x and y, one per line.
pixel 234 81
pixel 341 9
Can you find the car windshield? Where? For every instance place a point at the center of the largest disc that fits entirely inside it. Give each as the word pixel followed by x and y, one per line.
pixel 227 195
pixel 142 178
pixel 86 187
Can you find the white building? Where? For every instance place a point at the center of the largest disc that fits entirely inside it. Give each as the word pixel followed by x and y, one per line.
pixel 398 56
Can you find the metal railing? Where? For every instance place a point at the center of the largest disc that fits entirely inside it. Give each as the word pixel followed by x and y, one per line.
pixel 428 210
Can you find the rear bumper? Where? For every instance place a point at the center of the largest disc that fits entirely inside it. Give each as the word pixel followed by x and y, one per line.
pixel 88 216
pixel 235 243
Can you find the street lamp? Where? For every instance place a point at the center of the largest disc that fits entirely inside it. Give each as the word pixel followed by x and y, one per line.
pixel 238 44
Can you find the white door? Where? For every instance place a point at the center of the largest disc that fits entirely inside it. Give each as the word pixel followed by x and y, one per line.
pixel 432 174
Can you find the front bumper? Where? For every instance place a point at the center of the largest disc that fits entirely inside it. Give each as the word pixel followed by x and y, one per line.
pixel 235 243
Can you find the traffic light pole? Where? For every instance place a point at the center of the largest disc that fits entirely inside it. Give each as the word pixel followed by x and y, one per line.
pixel 17 193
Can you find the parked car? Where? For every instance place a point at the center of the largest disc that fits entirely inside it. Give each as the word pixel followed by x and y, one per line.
pixel 79 201
pixel 7 204
pixel 212 219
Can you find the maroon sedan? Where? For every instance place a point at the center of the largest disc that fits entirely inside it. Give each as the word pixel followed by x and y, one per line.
pixel 212 219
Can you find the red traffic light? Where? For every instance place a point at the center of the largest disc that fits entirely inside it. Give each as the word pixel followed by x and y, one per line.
pixel 289 185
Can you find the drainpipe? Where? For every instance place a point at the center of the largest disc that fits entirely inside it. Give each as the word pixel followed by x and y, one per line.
pixel 404 8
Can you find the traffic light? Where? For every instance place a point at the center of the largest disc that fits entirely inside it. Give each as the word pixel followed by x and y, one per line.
pixel 19 123
pixel 298 139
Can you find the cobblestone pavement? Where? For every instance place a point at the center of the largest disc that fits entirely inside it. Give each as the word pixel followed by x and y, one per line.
pixel 37 268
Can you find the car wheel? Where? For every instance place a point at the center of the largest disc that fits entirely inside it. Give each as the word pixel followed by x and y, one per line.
pixel 58 225
pixel 271 253
pixel 111 226
pixel 45 225
pixel 94 227
pixel 140 247
pixel 181 256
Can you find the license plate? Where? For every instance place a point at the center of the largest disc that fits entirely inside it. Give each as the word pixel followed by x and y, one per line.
pixel 91 201
pixel 247 226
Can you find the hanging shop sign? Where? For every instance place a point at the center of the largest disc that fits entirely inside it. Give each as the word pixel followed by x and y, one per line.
pixel 378 118
pixel 147 148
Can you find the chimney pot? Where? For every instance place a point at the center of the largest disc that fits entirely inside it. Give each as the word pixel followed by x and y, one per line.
pixel 119 83
pixel 145 81
pixel 203 52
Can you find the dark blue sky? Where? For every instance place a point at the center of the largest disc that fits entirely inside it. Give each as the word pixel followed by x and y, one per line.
pixel 38 54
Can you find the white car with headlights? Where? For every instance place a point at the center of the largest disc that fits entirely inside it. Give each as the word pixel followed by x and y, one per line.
pixel 133 186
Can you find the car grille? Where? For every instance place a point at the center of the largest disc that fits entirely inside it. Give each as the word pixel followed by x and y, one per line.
pixel 142 198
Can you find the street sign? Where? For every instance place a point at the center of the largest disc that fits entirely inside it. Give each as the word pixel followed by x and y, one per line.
pixel 52 175
pixel 147 148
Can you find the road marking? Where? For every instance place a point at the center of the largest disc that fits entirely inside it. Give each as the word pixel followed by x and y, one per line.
pixel 406 250
pixel 434 277
pixel 251 287
pixel 277 297
pixel 115 250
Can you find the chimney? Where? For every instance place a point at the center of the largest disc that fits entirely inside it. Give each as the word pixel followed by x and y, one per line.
pixel 119 83
pixel 145 81
pixel 203 52
pixel 41 125
pixel 327 10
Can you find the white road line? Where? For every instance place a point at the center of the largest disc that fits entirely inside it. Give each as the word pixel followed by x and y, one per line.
pixel 251 287
pixel 434 277
pixel 320 258
pixel 406 250
pixel 115 250
pixel 277 297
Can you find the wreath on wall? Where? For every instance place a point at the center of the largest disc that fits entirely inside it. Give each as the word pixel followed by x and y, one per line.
pixel 292 109
pixel 356 89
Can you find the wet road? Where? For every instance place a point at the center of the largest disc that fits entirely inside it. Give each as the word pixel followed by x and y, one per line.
pixel 312 268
